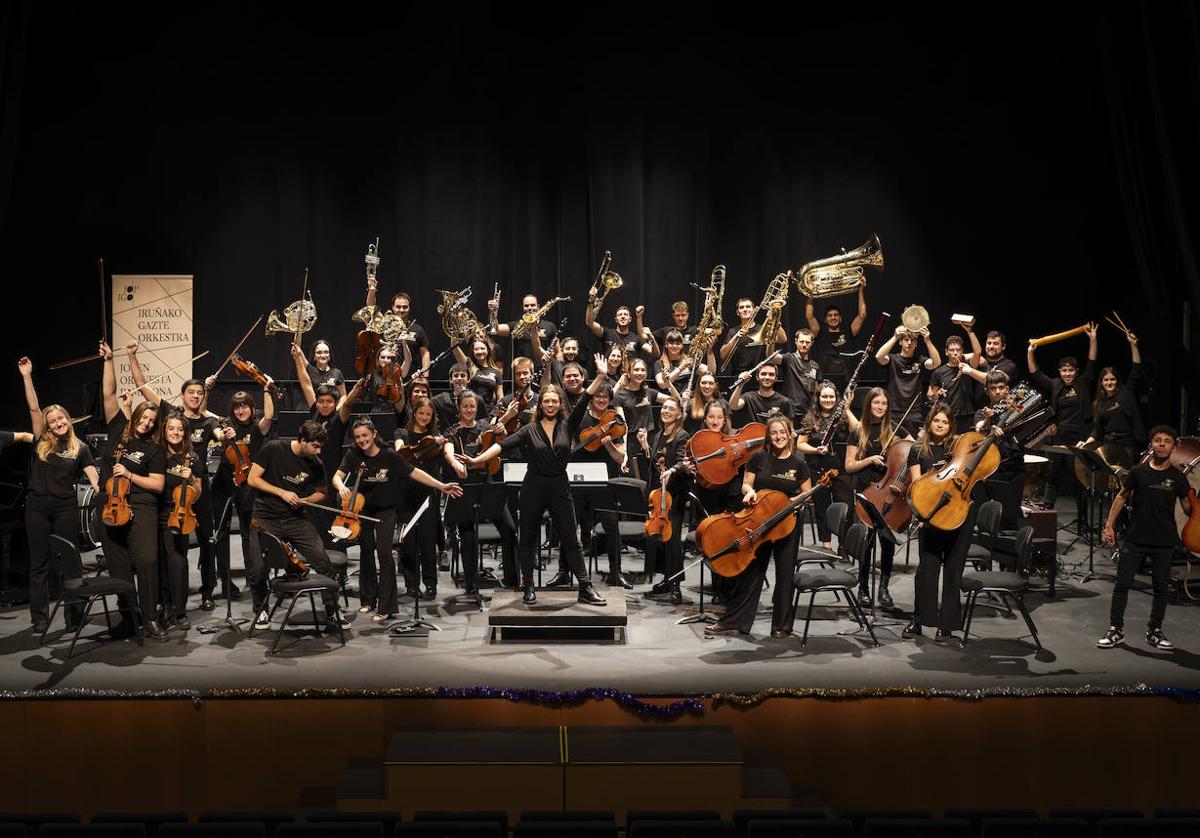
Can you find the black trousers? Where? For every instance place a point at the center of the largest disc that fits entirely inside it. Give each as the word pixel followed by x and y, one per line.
pixel 46 516
pixel 419 554
pixel 243 502
pixel 375 547
pixel 1132 556
pixel 942 554
pixel 469 550
pixel 298 531
pixel 172 571
pixel 743 606
pixel 539 494
pixel 671 550
pixel 132 552
pixel 886 552
pixel 210 573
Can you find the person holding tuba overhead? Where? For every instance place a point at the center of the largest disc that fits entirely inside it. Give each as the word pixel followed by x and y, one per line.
pixel 904 367
pixel 831 277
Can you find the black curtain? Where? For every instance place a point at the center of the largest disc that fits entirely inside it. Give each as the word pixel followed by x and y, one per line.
pixel 497 144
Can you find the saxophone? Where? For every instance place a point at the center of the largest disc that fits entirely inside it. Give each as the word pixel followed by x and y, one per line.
pixel 530 320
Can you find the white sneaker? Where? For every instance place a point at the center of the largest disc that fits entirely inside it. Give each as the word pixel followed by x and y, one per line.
pixel 263 621
pixel 1158 640
pixel 1111 638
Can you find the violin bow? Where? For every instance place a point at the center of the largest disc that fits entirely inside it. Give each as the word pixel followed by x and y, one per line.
pixel 103 328
pixel 900 424
pixel 245 337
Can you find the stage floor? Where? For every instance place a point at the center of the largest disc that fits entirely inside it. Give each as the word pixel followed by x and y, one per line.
pixel 657 657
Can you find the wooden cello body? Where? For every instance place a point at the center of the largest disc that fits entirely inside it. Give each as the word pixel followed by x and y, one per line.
pixel 888 493
pixel 718 456
pixel 942 498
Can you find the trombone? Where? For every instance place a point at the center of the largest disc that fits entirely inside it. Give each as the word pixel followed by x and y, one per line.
pixel 606 281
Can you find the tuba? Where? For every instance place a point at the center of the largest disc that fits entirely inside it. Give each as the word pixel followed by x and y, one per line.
pixel 297 318
pixel 606 281
pixel 839 274
pixel 773 302
pixel 458 321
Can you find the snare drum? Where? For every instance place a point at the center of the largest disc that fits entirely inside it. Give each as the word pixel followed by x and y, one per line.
pixel 88 505
pixel 1036 467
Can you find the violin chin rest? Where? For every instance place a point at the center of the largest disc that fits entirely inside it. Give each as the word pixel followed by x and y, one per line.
pixel 340 532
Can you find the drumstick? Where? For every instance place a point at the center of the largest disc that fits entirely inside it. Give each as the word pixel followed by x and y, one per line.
pixel 1122 322
pixel 1117 325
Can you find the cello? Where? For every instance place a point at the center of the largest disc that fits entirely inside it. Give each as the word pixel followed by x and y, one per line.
pixel 728 540
pixel 117 511
pixel 718 456
pixel 888 493
pixel 942 498
pixel 182 519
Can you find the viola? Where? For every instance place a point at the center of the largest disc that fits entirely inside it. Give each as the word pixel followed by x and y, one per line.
pixel 298 565
pixel 658 520
pixel 369 344
pixel 942 498
pixel 728 540
pixel 718 456
pixel 609 424
pixel 251 370
pixel 117 511
pixel 237 454
pixel 889 493
pixel 347 524
pixel 391 387
pixel 182 519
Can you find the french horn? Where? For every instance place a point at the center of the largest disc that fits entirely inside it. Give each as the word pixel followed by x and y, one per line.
pixel 298 317
pixel 458 322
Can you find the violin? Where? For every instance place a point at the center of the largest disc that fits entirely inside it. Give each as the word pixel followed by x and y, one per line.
pixel 491 436
pixel 391 387
pixel 608 425
pixel 369 343
pixel 347 525
pixel 718 456
pixel 299 567
pixel 237 454
pixel 182 519
pixel 889 493
pixel 942 498
pixel 658 521
pixel 251 370
pixel 728 540
pixel 117 511
pixel 425 448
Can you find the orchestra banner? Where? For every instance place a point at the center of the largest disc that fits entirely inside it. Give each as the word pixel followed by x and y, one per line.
pixel 156 311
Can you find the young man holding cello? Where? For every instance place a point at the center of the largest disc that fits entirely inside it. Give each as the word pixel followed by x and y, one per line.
pixel 1150 489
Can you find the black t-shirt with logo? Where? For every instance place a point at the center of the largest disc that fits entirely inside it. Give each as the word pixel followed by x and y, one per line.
pixel 798 380
pixel 759 406
pixel 903 381
pixel 828 350
pixel 522 347
pixel 335 444
pixel 934 459
pixel 332 377
pixel 1152 497
pixel 483 383
pixel 785 475
pixel 284 469
pixel 660 335
pixel 381 478
pixel 142 457
pixel 416 338
pixel 955 387
pixel 639 408
pixel 57 476
pixel 207 449
pixel 745 356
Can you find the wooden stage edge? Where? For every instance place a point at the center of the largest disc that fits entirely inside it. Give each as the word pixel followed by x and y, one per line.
pixel 196 754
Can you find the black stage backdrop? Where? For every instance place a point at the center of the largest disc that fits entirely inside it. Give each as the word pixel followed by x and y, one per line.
pixel 1024 162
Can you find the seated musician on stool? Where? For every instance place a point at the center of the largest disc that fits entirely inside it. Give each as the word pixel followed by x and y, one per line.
pixel 465 439
pixel 612 454
pixel 779 466
pixel 1151 488
pixel 1007 484
pixel 546 443
pixel 1070 409
pixel 286 475
pixel 941 552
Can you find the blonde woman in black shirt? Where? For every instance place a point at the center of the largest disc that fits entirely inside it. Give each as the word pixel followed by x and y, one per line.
pixel 59 460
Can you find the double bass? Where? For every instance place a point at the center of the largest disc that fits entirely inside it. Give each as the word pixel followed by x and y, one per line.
pixel 729 540
pixel 942 498
pixel 718 456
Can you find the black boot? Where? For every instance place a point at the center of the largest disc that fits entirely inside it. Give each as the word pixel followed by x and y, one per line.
pixel 588 594
pixel 154 629
pixel 615 579
pixel 913 629
pixel 529 597
pixel 864 594
pixel 562 579
pixel 885 599
pixel 676 594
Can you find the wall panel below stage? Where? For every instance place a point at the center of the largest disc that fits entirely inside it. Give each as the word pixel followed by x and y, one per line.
pixel 102 755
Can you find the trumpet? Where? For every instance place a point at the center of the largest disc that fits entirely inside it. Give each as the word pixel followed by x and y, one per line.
pixel 606 281
pixel 372 259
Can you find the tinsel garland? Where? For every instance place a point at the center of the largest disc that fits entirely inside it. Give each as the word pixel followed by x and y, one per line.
pixel 674 707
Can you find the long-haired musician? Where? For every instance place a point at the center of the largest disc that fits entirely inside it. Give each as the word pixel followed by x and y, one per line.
pixel 664 450
pixel 182 469
pixel 822 458
pixel 487 376
pixel 1116 417
pixel 695 404
pixel 420 550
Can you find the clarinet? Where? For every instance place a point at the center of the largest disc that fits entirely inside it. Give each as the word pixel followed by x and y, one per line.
pixel 841 405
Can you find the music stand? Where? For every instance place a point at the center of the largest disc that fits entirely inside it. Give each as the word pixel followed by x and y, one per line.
pixel 1096 465
pixel 417 626
pixel 701 616
pixel 479 502
pixel 223 526
pixel 882 531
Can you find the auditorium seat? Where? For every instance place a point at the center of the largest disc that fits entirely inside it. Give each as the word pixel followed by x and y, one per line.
pixel 1093 814
pixel 917 828
pixel 1147 827
pixel 743 817
pixel 558 815
pixel 686 828
pixel 387 820
pixel 565 829
pixel 269 819
pixel 93 830
pixel 330 829
pixel 634 815
pixel 153 821
pixel 447 829
pixel 978 816
pixel 230 829
pixel 859 817
pixel 800 828
pixel 1037 828
pixel 494 816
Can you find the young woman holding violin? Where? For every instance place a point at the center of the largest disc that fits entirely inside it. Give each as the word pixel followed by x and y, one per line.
pixel 132 472
pixel 609 450
pixel 375 471
pixel 640 403
pixel 865 459
pixel 420 443
pixel 696 404
pixel 822 458
pixel 487 376
pixel 60 459
pixel 464 439
pixel 942 553
pixel 182 472
pixel 546 443
pixel 780 467
pixel 664 450
pixel 386 384
pixel 321 369
pixel 242 437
